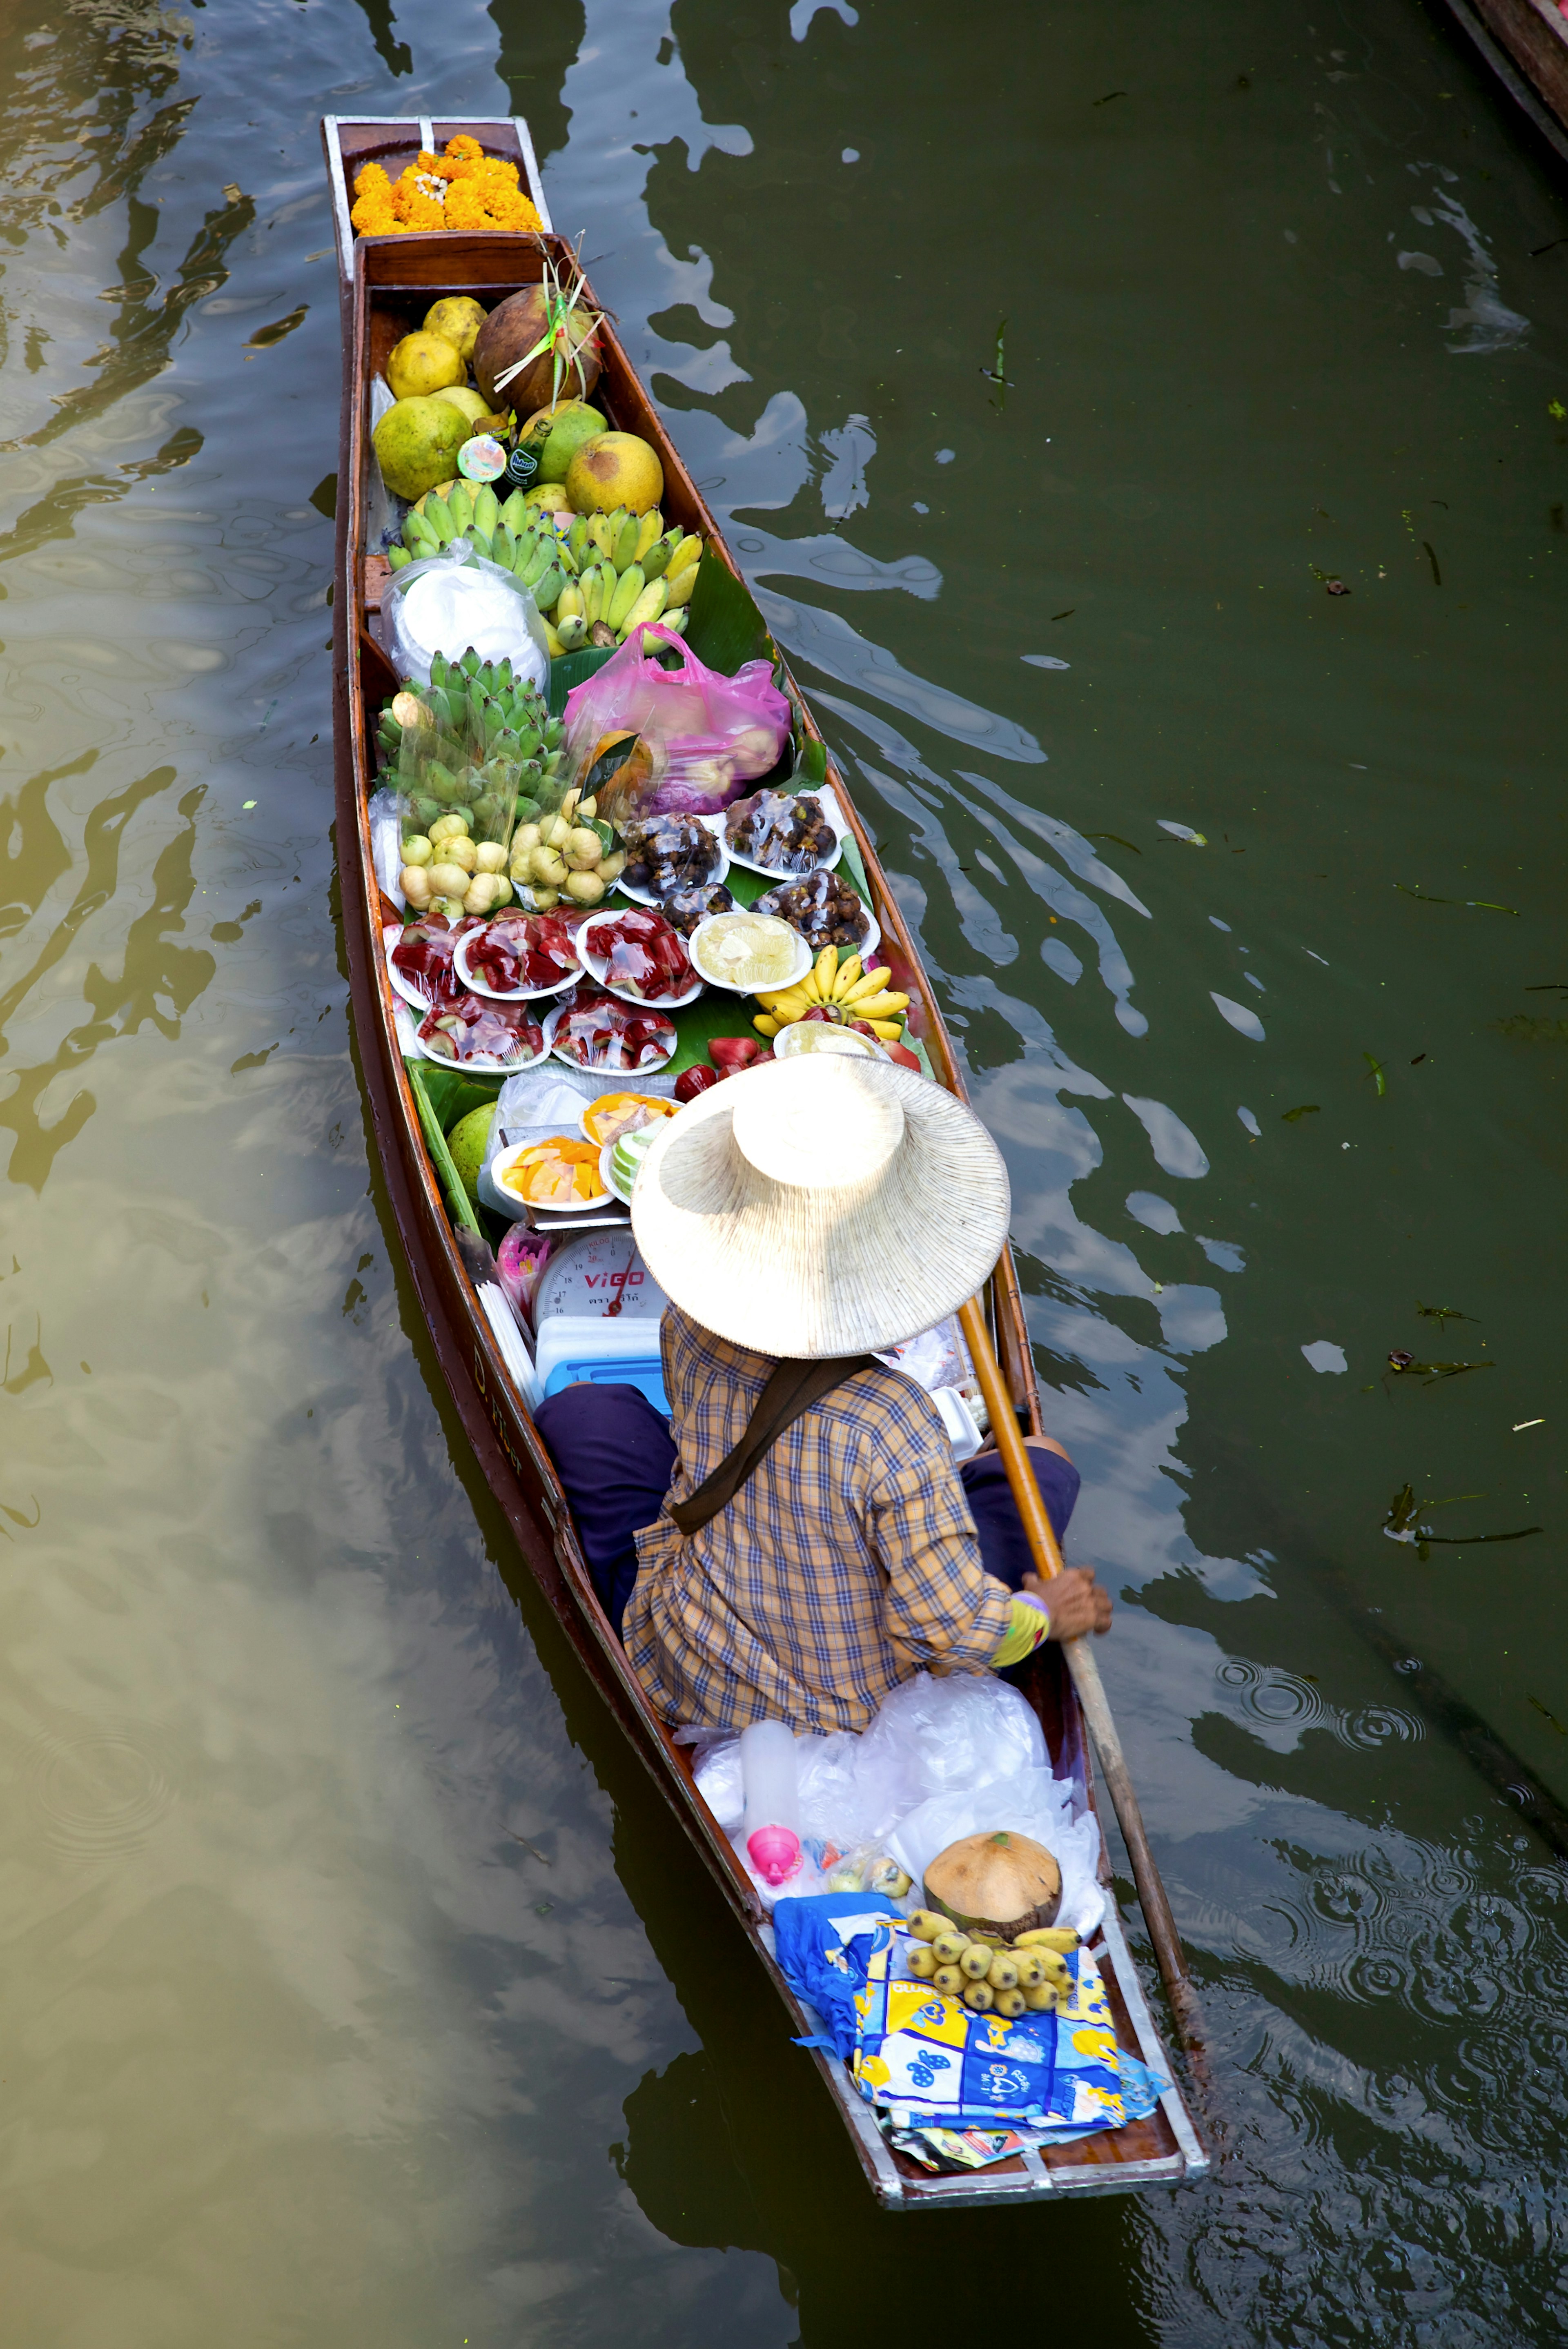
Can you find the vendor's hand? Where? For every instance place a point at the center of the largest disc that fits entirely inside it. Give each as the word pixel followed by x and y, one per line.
pixel 1075 1601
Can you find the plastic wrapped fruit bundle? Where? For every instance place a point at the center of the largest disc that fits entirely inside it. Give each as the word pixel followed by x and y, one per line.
pixel 559 1173
pixel 423 955
pixel 824 908
pixel 667 852
pixel 477 1029
pixel 598 1032
pixel 525 950
pixel 786 831
pixel 642 955
pixel 615 1115
pixel 1009 1979
pixel 687 908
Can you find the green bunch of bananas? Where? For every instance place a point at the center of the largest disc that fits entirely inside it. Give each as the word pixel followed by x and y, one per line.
pixel 475 738
pixel 630 570
pixel 516 535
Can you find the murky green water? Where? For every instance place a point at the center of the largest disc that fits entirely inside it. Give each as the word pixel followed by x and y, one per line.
pixel 354 1988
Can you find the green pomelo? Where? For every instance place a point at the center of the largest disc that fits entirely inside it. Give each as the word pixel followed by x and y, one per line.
pixel 571 428
pixel 466 1143
pixel 417 443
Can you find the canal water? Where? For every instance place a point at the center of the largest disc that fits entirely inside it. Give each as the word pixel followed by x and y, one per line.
pixel 1146 429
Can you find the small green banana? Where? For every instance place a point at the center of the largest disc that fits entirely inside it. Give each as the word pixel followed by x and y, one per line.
pixel 515 513
pixel 398 555
pixel 627 589
pixel 656 562
pixel 571 629
pixel 534 563
pixel 623 554
pixel 593 589
pixel 677 620
pixel 546 590
pixel 437 519
pixel 650 528
pixel 569 603
pixel 478 540
pixel 689 550
pixel 577 541
pixel 459 505
pixel 487 508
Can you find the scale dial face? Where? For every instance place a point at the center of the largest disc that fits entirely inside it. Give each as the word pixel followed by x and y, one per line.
pixel 585 1277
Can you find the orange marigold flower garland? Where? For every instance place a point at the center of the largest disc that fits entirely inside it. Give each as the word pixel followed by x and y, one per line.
pixel 465 189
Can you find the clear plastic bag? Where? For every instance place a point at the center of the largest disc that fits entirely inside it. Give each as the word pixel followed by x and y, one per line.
pixel 699 735
pixel 822 909
pixel 943 1759
pixel 786 831
pixel 446 601
pixel 665 854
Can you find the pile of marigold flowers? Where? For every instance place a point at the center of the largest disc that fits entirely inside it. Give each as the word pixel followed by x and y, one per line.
pixel 464 188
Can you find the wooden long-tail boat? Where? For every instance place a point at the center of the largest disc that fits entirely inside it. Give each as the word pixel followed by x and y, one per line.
pixel 1525 43
pixel 386 285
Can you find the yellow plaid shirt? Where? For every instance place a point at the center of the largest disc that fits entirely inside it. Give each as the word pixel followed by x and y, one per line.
pixel 848 1558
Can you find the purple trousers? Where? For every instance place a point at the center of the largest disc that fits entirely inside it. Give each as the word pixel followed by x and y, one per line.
pixel 614 1456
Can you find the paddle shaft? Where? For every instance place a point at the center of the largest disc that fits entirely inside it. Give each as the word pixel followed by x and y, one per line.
pixel 1085 1673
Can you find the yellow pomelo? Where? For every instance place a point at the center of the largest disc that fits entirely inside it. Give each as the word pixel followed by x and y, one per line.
pixel 471 402
pixel 457 320
pixel 417 443
pixel 616 470
pixel 422 364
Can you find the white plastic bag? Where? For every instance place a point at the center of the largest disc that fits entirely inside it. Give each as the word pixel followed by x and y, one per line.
pixel 943 1759
pixel 446 601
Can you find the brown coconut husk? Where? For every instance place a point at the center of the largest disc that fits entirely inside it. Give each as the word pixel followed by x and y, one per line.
pixel 995 1885
pixel 512 329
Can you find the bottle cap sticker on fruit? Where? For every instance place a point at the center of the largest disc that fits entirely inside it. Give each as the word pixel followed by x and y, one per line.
pixel 482 459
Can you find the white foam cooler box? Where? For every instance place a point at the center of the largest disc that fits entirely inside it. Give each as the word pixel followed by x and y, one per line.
pixel 574 1349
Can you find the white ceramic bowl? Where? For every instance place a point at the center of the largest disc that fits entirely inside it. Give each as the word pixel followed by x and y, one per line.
pixel 607 1173
pixel 713 823
pixel 506 995
pixel 594 964
pixel 485 1064
pixel 509 1157
pixel 627 1085
pixel 804 959
pixel 649 1068
pixel 847 1043
pixel 828 802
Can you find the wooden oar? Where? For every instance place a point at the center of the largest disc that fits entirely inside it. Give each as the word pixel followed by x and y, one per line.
pixel 1091 1690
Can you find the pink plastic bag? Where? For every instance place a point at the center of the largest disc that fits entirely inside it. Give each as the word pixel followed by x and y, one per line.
pixel 703 736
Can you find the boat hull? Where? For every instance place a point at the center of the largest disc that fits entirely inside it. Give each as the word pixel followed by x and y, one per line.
pixel 386 285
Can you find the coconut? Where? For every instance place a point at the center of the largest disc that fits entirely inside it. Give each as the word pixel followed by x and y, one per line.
pixel 510 333
pixel 995 1885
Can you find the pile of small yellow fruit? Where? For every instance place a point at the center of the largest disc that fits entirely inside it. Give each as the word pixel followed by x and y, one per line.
pixel 1005 1978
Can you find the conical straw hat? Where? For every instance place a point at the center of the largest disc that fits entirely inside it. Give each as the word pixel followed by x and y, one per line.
pixel 821 1206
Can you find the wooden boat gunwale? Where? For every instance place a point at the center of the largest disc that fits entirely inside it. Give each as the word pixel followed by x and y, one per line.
pixel 379 272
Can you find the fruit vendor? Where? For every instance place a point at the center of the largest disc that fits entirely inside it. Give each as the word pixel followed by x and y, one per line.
pixel 798 1540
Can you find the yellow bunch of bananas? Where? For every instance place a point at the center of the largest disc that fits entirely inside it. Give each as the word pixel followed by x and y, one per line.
pixel 842 989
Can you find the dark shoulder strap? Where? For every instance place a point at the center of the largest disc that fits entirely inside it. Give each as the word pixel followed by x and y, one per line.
pixel 790 1391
